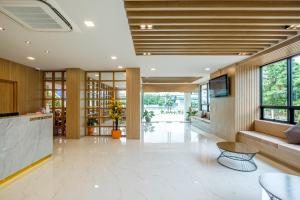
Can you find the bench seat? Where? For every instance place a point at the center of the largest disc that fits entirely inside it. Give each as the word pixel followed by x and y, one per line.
pixel 202 123
pixel 200 118
pixel 272 146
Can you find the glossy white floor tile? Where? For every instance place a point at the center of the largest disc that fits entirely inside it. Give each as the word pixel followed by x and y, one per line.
pixel 172 161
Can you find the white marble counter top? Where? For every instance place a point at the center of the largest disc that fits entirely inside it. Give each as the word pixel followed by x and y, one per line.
pixel 24 139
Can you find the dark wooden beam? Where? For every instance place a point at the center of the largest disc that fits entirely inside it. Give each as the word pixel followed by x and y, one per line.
pixel 213 28
pixel 213 33
pixel 264 38
pixel 214 14
pixel 211 5
pixel 208 42
pixel 185 22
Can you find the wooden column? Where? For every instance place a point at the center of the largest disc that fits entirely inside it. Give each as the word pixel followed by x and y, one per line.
pixel 133 119
pixel 75 103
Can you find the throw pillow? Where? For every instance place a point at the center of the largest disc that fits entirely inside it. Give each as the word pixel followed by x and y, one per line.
pixel 293 134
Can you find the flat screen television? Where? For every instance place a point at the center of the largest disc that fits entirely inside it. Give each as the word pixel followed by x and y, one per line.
pixel 219 87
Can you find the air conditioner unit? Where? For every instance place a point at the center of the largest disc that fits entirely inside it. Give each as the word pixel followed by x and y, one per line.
pixel 36 15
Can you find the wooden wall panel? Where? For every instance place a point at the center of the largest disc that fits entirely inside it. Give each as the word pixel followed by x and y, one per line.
pixel 75 105
pixel 247 79
pixel 29 87
pixel 247 96
pixel 133 108
pixel 8 91
pixel 222 109
pixel 246 89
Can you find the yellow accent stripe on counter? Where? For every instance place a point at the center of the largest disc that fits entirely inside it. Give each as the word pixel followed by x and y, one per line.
pixel 24 170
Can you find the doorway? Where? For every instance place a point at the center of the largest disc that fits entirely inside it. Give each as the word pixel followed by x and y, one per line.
pixel 169 106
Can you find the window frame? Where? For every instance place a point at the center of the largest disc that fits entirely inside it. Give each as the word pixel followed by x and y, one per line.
pixel 289 107
pixel 207 98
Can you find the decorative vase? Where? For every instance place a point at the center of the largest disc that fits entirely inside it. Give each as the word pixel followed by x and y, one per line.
pixel 116 134
pixel 90 131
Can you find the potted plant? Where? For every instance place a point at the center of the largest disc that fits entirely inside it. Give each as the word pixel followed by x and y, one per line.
pixel 115 113
pixel 91 122
pixel 148 115
pixel 190 113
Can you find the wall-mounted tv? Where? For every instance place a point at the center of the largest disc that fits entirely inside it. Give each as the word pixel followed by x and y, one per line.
pixel 219 87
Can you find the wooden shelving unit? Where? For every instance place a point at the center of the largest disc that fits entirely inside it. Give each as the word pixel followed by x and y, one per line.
pixel 100 88
pixel 54 95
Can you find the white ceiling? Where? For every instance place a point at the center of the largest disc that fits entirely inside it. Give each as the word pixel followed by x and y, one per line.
pixel 91 49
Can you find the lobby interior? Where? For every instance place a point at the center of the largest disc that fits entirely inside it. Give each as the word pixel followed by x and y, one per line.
pixel 149 99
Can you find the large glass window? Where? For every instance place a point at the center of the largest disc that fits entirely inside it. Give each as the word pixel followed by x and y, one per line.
pixel 204 98
pixel 280 90
pixel 295 79
pixel 195 100
pixel 274 82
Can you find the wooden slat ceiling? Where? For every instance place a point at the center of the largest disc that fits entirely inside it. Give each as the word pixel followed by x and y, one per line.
pixel 215 27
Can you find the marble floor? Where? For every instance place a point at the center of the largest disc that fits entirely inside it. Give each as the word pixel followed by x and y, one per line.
pixel 172 161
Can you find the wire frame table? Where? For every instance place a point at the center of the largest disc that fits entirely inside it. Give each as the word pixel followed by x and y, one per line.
pixel 237 156
pixel 280 186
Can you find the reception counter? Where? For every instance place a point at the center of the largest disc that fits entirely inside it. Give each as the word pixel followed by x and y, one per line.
pixel 24 141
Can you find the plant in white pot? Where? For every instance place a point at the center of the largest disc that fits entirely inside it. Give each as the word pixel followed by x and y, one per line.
pixel 148 115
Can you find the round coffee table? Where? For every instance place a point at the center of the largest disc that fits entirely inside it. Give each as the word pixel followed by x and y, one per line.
pixel 237 156
pixel 281 186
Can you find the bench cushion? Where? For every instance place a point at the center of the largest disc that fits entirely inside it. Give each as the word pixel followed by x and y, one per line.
pixel 271 128
pixel 263 138
pixel 200 119
pixel 273 141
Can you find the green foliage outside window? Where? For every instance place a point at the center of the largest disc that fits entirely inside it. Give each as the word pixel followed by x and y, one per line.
pixel 275 88
pixel 296 81
pixel 275 84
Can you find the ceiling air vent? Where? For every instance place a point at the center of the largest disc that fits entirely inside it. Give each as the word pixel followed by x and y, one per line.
pixel 37 15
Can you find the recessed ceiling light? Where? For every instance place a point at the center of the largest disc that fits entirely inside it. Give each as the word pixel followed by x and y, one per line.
pixel 47 51
pixel 120 67
pixel 28 42
pixel 153 69
pixel 142 26
pixel 293 26
pixel 96 186
pixel 207 68
pixel 89 23
pixel 114 57
pixel 147 54
pixel 2 29
pixel 30 58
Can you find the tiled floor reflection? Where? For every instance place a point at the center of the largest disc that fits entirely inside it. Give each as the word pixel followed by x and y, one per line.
pixel 170 133
pixel 171 161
